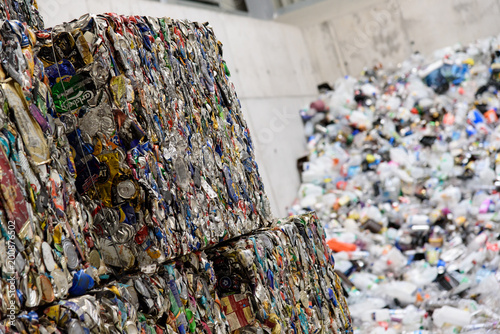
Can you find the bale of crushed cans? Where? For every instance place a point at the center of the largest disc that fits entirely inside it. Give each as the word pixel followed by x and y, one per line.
pixel 123 146
pixel 23 11
pixel 150 135
pixel 276 280
pixel 179 298
pixel 404 172
pixel 124 162
pixel 281 279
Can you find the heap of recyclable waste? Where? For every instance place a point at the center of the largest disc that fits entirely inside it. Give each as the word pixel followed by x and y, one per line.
pixel 403 171
pixel 130 198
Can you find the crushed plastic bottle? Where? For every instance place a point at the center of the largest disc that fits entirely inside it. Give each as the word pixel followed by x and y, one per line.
pixel 404 172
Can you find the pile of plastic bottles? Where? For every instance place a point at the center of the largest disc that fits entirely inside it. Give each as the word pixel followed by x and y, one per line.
pixel 404 172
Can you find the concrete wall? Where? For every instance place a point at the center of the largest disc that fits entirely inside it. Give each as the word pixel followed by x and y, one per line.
pixel 344 36
pixel 270 68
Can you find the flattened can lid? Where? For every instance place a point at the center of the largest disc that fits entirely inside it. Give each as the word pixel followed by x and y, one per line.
pixel 94 258
pixel 124 234
pixel 126 189
pixel 48 259
pixel 70 252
